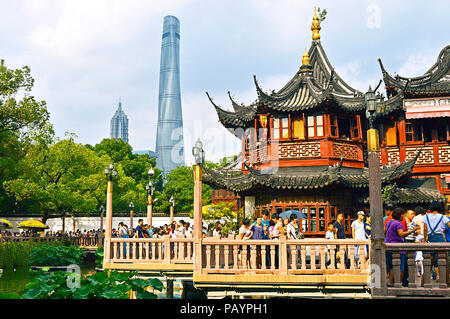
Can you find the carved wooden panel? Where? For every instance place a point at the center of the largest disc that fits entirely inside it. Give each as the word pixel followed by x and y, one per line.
pixel 298 150
pixel 444 154
pixel 393 156
pixel 425 157
pixel 347 151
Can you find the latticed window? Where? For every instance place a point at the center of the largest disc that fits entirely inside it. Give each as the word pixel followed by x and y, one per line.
pixel 280 128
pixel 413 131
pixel 334 126
pixel 315 126
pixel 298 127
pixel 354 127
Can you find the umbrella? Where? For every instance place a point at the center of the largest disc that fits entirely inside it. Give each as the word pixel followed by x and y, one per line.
pixel 32 224
pixel 5 224
pixel 296 213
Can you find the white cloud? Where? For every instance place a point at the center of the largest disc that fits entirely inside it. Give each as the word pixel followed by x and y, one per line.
pixel 84 26
pixel 417 64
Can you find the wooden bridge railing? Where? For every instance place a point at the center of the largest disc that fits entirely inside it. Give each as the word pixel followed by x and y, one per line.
pixel 420 286
pixel 283 257
pixel 151 250
pixel 76 241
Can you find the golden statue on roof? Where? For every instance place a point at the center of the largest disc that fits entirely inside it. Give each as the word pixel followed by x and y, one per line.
pixel 305 58
pixel 315 27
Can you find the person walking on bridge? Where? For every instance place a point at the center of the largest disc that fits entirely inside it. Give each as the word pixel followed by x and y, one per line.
pixel 434 224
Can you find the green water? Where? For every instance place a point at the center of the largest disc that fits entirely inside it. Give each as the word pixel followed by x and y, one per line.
pixel 15 280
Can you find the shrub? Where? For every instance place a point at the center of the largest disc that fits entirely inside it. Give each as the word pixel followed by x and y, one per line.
pixel 99 253
pixel 56 256
pixel 17 254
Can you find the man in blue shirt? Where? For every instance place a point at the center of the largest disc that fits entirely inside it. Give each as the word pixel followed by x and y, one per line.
pixel 339 227
pixel 140 228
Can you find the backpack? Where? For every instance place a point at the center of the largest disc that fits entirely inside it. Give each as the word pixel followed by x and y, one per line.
pixel 298 234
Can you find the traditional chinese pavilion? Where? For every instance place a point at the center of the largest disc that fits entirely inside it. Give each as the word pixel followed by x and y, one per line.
pixel 304 148
pixel 418 118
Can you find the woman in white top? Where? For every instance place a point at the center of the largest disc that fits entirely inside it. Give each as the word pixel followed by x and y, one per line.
pixel 245 234
pixel 278 229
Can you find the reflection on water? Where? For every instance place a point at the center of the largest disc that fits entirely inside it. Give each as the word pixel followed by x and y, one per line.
pixel 15 280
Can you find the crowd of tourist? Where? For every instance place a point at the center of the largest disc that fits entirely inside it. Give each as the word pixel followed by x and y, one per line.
pixel 180 229
pixel 416 225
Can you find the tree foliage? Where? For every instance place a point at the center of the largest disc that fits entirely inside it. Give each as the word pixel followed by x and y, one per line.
pixel 23 122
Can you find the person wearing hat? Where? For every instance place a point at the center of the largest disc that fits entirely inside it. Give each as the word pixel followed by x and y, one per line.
pixel 433 228
pixel 358 232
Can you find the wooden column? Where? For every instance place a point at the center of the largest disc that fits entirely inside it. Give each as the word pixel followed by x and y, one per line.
pixel 378 259
pixel 108 226
pixel 171 214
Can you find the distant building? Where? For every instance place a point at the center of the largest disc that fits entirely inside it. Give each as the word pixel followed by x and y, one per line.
pixel 169 136
pixel 119 125
pixel 150 153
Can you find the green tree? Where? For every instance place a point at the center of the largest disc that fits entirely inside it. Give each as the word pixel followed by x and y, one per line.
pixel 180 185
pixel 135 168
pixel 23 122
pixel 63 177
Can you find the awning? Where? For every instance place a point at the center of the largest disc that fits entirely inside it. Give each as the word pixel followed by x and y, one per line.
pixel 427 111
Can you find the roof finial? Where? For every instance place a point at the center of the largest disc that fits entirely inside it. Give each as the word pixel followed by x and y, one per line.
pixel 120 102
pixel 305 58
pixel 315 27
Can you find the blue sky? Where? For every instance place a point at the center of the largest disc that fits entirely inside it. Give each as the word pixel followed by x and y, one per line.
pixel 84 55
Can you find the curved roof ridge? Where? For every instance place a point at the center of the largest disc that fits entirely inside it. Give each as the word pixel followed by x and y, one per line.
pixel 437 71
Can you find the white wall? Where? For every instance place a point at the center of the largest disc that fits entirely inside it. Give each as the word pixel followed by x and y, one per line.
pixel 89 223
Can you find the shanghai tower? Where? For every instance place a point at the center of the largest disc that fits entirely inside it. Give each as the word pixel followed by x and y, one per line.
pixel 169 135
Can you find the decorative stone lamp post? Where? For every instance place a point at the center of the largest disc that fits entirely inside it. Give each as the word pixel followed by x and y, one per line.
pixel 110 173
pixel 199 155
pixel 131 215
pixel 172 205
pixel 150 189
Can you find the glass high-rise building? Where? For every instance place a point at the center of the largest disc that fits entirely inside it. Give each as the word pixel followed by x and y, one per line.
pixel 119 125
pixel 169 135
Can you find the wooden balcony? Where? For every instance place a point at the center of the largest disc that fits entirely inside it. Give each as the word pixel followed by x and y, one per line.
pixel 311 152
pixel 434 157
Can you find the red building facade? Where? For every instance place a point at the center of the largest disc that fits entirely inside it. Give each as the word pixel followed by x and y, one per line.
pixel 304 148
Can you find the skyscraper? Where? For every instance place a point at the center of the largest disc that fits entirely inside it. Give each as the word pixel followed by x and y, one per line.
pixel 169 135
pixel 119 125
